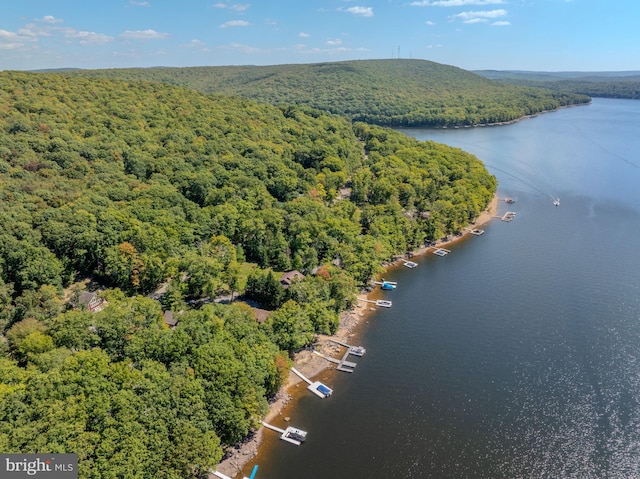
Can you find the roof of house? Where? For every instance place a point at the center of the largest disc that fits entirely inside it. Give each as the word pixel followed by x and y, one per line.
pixel 287 278
pixel 261 314
pixel 86 297
pixel 169 320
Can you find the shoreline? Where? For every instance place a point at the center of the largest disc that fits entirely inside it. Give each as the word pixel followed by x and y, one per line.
pixel 506 122
pixel 312 365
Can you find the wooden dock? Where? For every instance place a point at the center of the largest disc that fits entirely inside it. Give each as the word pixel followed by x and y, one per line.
pixel 508 216
pixel 355 350
pixel 342 364
pixel 290 434
pixel 378 302
pixel 410 264
pixel 224 476
pixel 441 252
pixel 316 387
pixel 220 475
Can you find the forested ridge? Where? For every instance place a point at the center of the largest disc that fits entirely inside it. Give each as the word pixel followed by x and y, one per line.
pixel 595 84
pixel 398 92
pixel 143 187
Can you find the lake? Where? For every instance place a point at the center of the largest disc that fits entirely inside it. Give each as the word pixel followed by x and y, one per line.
pixel 518 354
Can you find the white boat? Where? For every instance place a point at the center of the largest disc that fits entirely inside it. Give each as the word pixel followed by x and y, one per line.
pixel 556 202
pixel 383 302
pixel 294 435
pixel 357 350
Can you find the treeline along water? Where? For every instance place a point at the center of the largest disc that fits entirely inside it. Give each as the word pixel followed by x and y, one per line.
pixel 517 355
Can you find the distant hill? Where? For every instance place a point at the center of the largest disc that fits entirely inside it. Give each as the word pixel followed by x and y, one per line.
pixel 625 84
pixel 397 92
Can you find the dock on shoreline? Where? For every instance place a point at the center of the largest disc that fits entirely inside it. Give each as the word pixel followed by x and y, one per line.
pixel 316 387
pixel 342 364
pixel 290 434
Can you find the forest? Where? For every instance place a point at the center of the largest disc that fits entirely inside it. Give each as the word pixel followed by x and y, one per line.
pixel 596 84
pixel 160 199
pixel 395 93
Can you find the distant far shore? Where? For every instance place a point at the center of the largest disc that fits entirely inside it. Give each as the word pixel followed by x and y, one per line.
pixel 501 123
pixel 312 365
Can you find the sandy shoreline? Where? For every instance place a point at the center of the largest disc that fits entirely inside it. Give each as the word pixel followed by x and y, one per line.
pixel 312 365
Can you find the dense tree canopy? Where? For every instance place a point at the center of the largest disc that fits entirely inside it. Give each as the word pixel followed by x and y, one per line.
pixel 144 187
pixel 398 92
pixel 600 84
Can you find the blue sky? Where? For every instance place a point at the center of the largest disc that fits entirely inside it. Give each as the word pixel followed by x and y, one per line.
pixel 552 35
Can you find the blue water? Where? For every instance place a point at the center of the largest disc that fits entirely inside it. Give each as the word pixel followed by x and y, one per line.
pixel 518 354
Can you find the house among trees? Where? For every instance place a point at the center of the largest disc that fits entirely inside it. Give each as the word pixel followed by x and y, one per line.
pixel 90 300
pixel 261 315
pixel 169 320
pixel 289 277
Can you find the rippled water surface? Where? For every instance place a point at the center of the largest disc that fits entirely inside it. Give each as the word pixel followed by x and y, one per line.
pixel 517 355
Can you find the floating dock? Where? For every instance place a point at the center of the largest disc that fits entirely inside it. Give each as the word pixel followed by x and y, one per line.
pixel 220 475
pixel 441 252
pixel 410 264
pixel 379 302
pixel 342 364
pixel 477 232
pixel 355 350
pixel 316 387
pixel 508 216
pixel 290 434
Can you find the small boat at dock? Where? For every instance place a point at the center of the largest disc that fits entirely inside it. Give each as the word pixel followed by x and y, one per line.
pixel 386 285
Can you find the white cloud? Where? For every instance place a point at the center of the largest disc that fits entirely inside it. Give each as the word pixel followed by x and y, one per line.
pixel 49 19
pixel 15 41
pixel 455 3
pixel 242 48
pixel 87 38
pixel 33 30
pixel 362 11
pixel 235 23
pixel 334 43
pixel 501 24
pixel 478 16
pixel 303 35
pixel 430 23
pixel 238 7
pixel 143 35
pixel 196 44
pixel 135 3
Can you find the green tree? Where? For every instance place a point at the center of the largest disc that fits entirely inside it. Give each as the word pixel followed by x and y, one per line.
pixel 290 327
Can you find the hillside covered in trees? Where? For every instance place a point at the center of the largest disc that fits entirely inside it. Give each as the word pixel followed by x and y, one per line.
pixel 594 84
pixel 397 92
pixel 145 187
